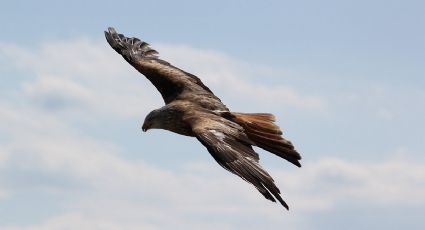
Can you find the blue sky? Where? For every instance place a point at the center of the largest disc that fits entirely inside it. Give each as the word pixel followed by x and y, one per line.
pixel 344 78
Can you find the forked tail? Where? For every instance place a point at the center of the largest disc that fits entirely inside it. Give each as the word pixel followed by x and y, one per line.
pixel 261 129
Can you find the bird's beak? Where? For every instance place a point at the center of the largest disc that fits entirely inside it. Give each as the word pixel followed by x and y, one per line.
pixel 145 127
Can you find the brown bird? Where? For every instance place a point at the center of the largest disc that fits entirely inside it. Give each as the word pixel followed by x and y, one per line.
pixel 191 109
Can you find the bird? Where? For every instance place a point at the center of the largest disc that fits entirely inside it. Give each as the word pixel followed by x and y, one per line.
pixel 192 109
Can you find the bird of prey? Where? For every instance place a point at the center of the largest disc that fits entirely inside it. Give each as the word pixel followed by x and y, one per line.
pixel 192 109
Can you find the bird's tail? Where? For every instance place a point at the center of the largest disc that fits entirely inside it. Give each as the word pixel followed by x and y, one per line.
pixel 262 130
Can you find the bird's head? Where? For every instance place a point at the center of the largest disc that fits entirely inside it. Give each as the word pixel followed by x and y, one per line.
pixel 166 117
pixel 152 121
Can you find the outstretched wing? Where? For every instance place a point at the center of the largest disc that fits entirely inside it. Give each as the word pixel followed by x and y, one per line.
pixel 172 82
pixel 231 148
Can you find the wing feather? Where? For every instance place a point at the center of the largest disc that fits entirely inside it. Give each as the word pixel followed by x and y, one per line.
pixel 172 82
pixel 240 162
pixel 231 148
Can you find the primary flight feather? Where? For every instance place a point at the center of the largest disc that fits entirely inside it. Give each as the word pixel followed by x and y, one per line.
pixel 191 109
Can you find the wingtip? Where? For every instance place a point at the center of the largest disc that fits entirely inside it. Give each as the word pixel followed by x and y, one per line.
pixel 112 30
pixel 298 164
pixel 284 204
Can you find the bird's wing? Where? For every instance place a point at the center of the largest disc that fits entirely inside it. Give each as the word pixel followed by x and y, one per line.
pixel 172 82
pixel 231 148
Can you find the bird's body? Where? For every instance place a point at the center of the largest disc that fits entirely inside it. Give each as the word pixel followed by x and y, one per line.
pixel 191 109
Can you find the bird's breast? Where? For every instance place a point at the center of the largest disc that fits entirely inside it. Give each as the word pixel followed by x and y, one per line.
pixel 180 128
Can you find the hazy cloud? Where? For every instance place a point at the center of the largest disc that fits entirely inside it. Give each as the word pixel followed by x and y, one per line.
pixel 113 191
pixel 98 188
pixel 235 79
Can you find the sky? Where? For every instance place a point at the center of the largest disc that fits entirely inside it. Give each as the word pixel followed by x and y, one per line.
pixel 345 79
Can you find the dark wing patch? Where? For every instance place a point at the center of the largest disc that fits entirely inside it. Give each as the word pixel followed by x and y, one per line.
pixel 129 47
pixel 172 82
pixel 231 148
pixel 238 159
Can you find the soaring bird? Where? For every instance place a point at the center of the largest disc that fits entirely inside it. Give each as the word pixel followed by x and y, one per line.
pixel 192 109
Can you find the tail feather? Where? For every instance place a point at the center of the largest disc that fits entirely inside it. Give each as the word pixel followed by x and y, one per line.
pixel 258 121
pixel 258 116
pixel 265 134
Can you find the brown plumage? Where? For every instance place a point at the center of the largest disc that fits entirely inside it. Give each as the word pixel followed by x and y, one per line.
pixel 191 109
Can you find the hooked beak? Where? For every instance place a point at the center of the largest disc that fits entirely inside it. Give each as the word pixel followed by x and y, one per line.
pixel 145 127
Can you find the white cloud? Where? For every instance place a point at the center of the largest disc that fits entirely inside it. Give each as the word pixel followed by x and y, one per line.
pixel 120 192
pixel 114 192
pixel 82 74
pixel 329 182
pixel 90 73
pixel 71 221
pixel 235 79
pixel 132 194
